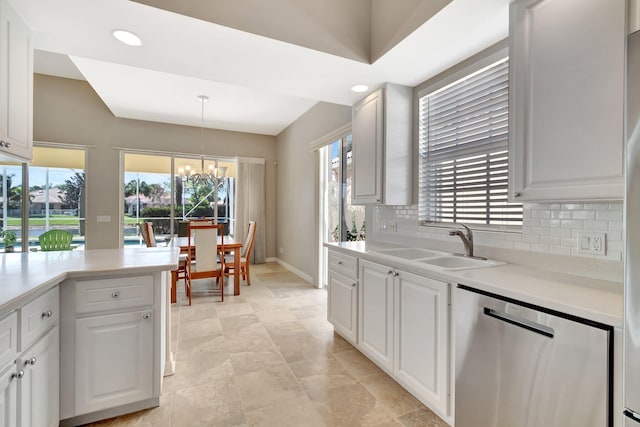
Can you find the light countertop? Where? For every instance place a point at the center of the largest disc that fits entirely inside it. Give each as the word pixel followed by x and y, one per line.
pixel 593 299
pixel 24 274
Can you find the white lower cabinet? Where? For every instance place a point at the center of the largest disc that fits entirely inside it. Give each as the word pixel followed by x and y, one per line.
pixel 375 332
pixel 8 396
pixel 111 347
pixel 421 360
pixel 113 360
pixel 404 327
pixel 342 305
pixel 38 388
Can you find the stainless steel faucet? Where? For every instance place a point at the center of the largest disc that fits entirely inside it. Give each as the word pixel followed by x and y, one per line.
pixel 467 239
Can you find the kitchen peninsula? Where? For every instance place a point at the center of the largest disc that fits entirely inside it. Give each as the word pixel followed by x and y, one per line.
pixel 83 334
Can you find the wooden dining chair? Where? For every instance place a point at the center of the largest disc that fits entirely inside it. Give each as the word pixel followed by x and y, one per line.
pixel 245 255
pixel 203 258
pixel 148 234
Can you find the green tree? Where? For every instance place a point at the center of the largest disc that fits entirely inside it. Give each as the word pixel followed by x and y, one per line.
pixel 130 188
pixel 73 190
pixel 14 193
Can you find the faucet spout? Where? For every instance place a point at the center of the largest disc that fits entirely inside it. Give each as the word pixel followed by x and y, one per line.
pixel 466 237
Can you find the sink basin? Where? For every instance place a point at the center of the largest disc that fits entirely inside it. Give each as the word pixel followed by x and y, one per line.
pixel 458 262
pixel 410 253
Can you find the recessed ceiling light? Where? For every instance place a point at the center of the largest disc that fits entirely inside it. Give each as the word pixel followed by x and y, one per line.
pixel 127 37
pixel 360 88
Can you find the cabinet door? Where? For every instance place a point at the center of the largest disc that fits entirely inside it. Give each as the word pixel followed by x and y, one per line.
pixel 39 390
pixel 368 137
pixel 566 99
pixel 8 393
pixel 16 84
pixel 422 339
pixel 375 326
pixel 343 305
pixel 114 360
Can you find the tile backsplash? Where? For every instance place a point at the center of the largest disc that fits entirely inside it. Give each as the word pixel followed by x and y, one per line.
pixel 550 228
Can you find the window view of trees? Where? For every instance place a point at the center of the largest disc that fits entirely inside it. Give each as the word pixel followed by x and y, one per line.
pixel 147 195
pixel 54 194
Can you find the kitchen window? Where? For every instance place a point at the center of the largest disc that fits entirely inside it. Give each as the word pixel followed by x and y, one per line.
pixel 463 150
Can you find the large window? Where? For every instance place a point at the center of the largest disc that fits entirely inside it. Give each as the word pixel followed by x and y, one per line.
pixel 156 193
pixel 54 193
pixel 463 145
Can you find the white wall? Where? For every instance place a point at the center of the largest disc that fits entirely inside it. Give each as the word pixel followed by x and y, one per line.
pixel 69 111
pixel 297 210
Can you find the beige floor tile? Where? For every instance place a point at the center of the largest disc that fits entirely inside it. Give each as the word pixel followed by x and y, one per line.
pixel 333 342
pixel 251 361
pixel 296 412
pixel 422 418
pixel 233 309
pixel 199 328
pixel 348 405
pixel 240 325
pixel 198 312
pixel 257 340
pixel 202 368
pixel 391 395
pixel 267 387
pixel 357 364
pixel 272 318
pixel 214 403
pixel 190 347
pixel 321 373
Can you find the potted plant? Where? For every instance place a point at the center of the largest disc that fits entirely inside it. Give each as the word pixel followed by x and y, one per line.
pixel 9 240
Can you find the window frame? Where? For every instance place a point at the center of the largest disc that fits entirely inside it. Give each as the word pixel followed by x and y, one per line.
pixel 439 82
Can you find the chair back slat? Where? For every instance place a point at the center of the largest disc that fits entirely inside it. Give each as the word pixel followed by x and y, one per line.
pixel 248 242
pixel 206 241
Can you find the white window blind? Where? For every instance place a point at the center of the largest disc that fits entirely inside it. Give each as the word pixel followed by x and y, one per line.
pixel 464 151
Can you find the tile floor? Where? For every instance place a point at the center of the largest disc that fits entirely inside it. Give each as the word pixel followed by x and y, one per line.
pixel 269 358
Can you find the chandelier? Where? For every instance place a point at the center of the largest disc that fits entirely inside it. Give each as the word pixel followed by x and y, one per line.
pixel 213 175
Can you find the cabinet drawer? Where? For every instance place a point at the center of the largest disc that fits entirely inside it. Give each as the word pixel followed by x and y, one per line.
pixel 8 338
pixel 39 316
pixel 346 265
pixel 113 294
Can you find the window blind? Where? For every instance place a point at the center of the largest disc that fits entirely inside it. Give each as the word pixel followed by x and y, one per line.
pixel 463 149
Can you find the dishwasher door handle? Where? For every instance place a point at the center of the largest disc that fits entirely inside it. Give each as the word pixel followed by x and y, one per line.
pixel 517 321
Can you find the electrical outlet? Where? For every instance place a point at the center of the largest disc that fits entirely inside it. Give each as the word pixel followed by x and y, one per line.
pixel 592 243
pixel 389 226
pixel 281 251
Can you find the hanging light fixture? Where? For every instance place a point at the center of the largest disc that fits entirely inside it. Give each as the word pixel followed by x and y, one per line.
pixel 210 175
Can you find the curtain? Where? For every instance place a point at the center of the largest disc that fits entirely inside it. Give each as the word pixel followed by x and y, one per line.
pixel 250 205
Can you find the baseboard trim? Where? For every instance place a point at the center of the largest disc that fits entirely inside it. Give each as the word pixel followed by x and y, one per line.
pixel 272 259
pixel 294 270
pixel 110 413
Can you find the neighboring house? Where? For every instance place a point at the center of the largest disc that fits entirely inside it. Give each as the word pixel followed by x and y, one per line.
pixel 38 201
pixel 145 202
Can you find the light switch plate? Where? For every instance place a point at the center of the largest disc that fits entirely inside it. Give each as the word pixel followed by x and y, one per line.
pixel 103 218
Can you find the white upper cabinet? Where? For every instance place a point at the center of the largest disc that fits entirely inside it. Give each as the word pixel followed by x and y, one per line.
pixel 567 62
pixel 16 86
pixel 382 147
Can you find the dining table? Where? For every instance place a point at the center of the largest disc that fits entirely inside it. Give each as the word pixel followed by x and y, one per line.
pixel 230 245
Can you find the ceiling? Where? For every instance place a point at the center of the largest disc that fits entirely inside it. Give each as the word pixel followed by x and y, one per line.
pixel 260 70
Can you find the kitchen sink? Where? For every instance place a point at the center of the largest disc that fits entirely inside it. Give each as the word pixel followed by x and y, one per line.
pixel 458 262
pixel 410 253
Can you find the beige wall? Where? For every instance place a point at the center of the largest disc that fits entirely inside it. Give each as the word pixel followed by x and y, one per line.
pixel 69 111
pixel 337 27
pixel 392 21
pixel 297 222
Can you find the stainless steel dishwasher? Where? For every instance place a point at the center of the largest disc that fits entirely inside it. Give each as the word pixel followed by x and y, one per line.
pixel 519 365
